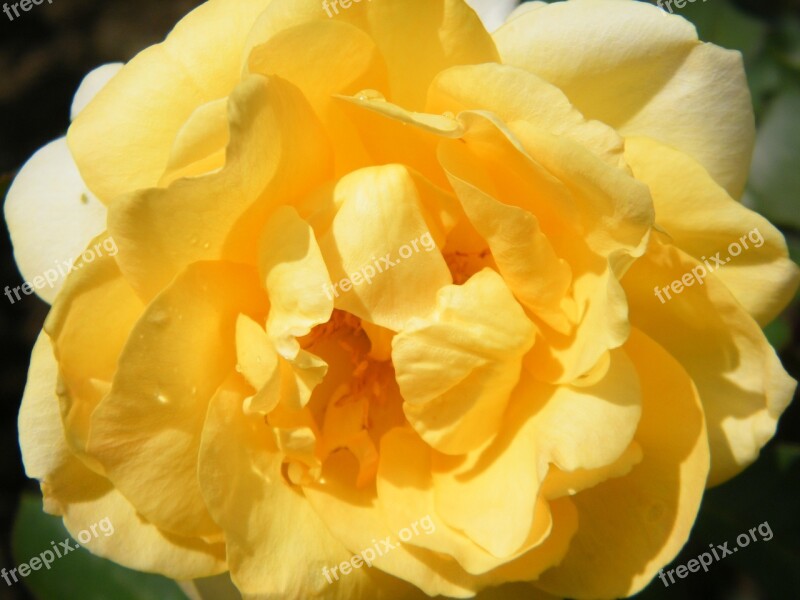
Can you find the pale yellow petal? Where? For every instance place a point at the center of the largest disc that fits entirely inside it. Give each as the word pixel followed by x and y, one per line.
pixel 277 152
pixel 51 216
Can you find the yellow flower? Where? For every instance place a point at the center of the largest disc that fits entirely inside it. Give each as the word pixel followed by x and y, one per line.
pixel 385 282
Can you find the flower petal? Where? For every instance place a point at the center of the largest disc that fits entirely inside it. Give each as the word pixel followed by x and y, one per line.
pixel 457 366
pixel 702 220
pixel 92 83
pixel 493 12
pixel 405 491
pixel 51 217
pixel 632 526
pixel 277 151
pixel 84 497
pixel 146 431
pixel 339 503
pixel 200 61
pixel 742 385
pixel 492 493
pixel 521 100
pixel 296 279
pixel 635 64
pixel 380 213
pixel 89 325
pixel 276 544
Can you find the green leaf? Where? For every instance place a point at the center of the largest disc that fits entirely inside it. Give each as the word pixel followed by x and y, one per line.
pixel 779 333
pixel 775 176
pixel 78 574
pixel 724 25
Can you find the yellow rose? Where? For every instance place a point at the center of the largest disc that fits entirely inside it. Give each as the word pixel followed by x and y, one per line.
pixel 397 306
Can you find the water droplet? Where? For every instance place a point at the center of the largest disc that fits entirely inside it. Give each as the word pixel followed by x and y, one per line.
pixel 238 368
pixel 449 115
pixel 158 317
pixel 161 398
pixel 194 390
pixel 372 95
pixel 206 245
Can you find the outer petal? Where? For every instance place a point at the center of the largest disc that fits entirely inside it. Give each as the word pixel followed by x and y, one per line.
pixel 493 12
pixel 701 219
pixel 635 64
pixel 200 61
pixel 51 217
pixel 146 432
pixel 631 526
pixel 742 385
pixel 457 366
pixel 83 497
pixel 89 325
pixel 92 83
pixel 277 152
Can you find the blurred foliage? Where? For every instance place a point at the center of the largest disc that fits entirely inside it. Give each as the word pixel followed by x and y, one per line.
pixel 78 574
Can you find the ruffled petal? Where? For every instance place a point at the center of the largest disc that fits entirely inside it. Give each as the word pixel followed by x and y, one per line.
pixel 200 61
pixel 146 431
pixel 380 251
pixel 457 366
pixel 277 152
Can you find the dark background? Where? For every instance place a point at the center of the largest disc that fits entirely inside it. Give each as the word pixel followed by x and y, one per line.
pixel 45 53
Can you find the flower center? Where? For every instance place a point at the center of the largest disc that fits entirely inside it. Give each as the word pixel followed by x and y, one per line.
pixel 359 400
pixel 464 265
